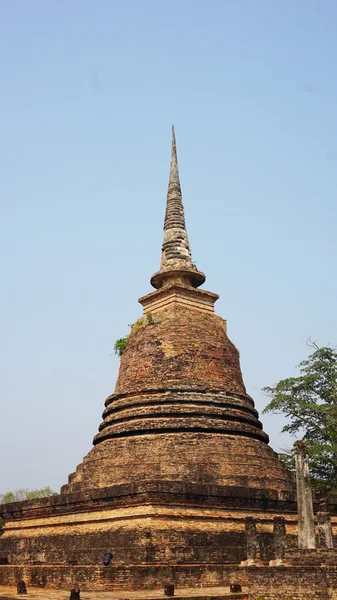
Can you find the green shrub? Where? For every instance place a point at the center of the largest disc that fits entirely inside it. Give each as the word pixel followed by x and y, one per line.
pixel 120 345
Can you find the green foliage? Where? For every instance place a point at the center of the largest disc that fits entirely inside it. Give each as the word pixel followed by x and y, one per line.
pixel 43 493
pixel 12 497
pixel 288 459
pixel 309 402
pixel 139 324
pixel 24 494
pixel 120 345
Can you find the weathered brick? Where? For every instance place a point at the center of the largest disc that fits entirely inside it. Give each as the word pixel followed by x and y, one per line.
pixel 179 465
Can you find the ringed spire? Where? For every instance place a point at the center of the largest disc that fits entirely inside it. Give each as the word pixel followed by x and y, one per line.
pixel 176 259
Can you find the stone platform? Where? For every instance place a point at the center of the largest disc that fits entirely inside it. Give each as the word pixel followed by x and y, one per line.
pixel 212 593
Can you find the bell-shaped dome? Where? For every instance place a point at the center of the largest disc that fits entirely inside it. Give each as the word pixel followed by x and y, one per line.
pixel 180 372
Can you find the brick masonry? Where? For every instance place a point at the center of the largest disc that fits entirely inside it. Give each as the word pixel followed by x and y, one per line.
pixel 179 466
pixel 263 583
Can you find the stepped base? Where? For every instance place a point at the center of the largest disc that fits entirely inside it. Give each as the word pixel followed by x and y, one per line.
pixel 217 593
pixel 133 578
pixel 191 582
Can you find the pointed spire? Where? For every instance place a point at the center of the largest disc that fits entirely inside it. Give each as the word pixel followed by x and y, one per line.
pixel 176 253
pixel 174 171
pixel 176 248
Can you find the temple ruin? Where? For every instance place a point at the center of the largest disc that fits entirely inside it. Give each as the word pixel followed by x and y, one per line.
pixel 181 484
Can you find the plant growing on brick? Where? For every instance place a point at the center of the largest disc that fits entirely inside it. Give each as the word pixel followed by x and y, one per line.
pixel 120 345
pixel 139 324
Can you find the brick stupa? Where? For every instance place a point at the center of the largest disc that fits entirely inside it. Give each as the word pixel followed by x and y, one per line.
pixel 179 462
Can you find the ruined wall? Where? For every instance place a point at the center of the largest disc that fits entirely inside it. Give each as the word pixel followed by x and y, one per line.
pixel 277 583
pixel 145 535
pixel 292 583
pixel 122 578
pixel 143 524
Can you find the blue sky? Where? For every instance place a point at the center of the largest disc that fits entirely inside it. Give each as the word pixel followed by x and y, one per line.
pixel 88 92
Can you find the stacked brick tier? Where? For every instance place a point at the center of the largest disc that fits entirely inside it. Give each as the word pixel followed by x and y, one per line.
pixel 180 372
pixel 214 459
pixel 142 524
pixel 191 535
pixel 180 412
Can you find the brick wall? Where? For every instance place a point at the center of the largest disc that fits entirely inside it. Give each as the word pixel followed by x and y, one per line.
pixel 202 458
pixel 277 583
pixel 287 583
pixel 119 578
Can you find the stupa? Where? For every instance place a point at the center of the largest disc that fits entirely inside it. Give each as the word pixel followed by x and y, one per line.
pixel 180 412
pixel 180 461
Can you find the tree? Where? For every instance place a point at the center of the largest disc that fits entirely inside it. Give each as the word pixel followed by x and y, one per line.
pixel 16 496
pixel 42 493
pixel 309 402
pixel 23 494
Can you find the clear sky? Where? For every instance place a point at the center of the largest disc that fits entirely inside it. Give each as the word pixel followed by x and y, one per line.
pixel 88 92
